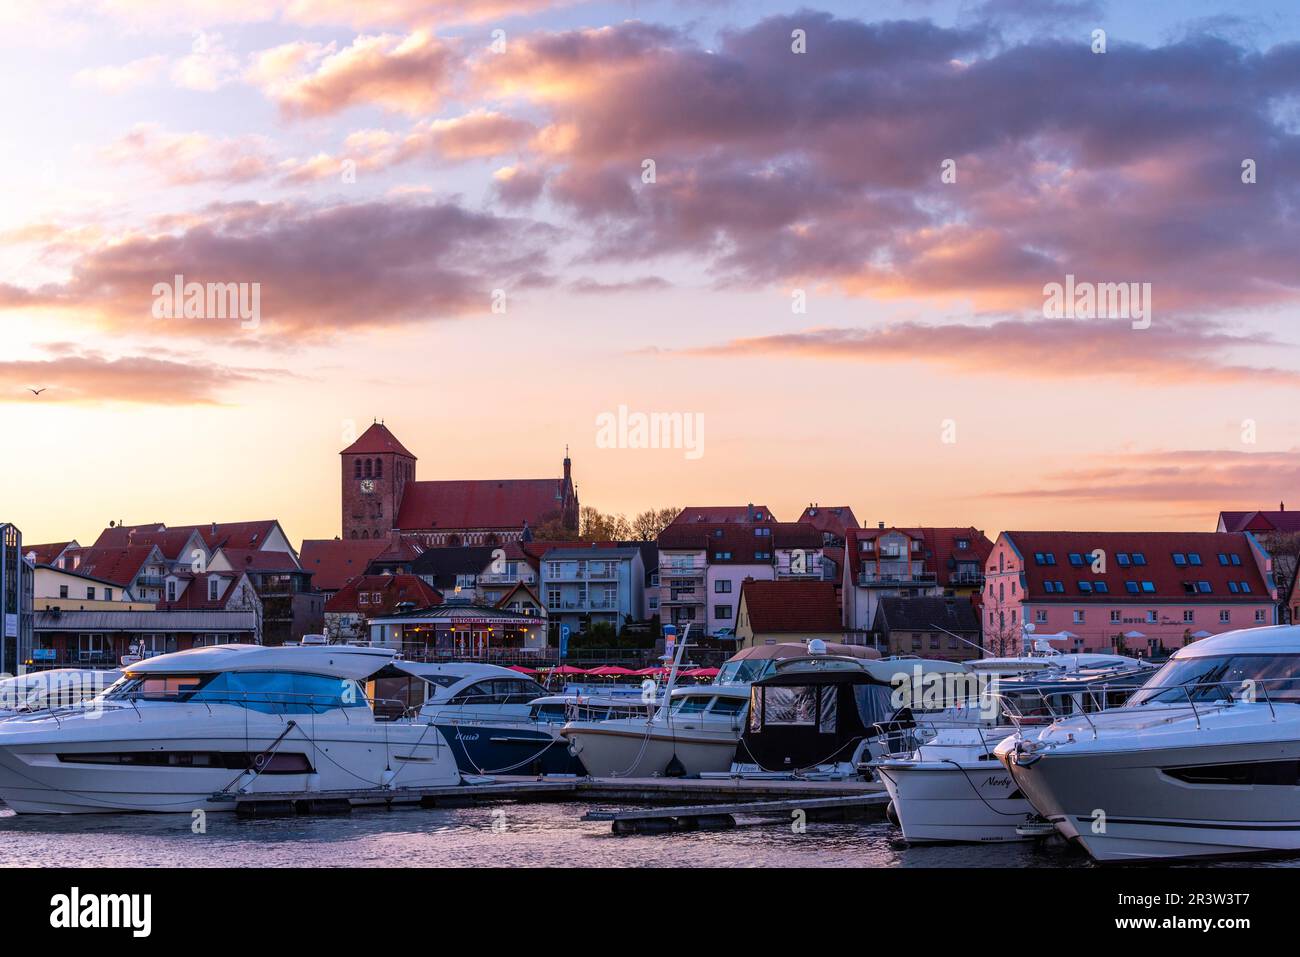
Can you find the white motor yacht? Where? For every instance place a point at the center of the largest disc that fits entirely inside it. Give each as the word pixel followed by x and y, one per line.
pixel 193 729
pixel 951 787
pixel 696 730
pixel 1203 761
pixel 500 721
pixel 55 688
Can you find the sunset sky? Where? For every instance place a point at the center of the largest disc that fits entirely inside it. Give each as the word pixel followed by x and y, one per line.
pixel 149 138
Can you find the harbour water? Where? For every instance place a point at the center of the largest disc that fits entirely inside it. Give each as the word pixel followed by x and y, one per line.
pixel 503 835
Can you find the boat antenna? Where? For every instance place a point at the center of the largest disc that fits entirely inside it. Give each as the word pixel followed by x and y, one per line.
pixel 973 644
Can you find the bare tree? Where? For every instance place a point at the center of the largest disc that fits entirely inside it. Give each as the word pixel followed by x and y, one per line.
pixel 648 524
pixel 1284 549
pixel 1003 633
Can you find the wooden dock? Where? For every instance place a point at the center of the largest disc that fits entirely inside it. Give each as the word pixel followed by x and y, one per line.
pixel 723 816
pixel 711 800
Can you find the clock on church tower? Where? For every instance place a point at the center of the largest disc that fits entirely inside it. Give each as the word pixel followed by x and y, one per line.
pixel 375 469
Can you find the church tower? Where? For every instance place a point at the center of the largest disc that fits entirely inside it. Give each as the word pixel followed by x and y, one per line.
pixel 375 471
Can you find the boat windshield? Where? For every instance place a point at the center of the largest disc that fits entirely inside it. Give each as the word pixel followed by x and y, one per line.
pixel 1223 677
pixel 271 692
pixel 745 671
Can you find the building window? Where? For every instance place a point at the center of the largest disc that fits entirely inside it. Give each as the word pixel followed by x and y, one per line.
pixel 1259 614
pixel 356 469
pixel 916 642
pixel 379 468
pixel 553 598
pixel 722 586
pixel 108 594
pixel 1114 617
pixel 63 591
pixel 721 611
pixel 90 593
pixel 1152 618
pixel 1039 616
pixel 934 641
pixel 1078 616
pixel 171 588
pixel 363 598
pixel 1225 616
pixel 1188 616
pixel 368 468
pixel 212 589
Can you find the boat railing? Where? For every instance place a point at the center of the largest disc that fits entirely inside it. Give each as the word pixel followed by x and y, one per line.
pixel 304 702
pixel 1245 690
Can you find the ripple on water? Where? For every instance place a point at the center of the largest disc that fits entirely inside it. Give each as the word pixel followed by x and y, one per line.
pixel 514 835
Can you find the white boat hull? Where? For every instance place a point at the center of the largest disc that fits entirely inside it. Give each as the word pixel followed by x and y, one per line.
pixel 607 750
pixel 941 802
pixel 40 773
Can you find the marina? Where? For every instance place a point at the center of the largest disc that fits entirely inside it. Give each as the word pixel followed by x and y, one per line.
pixel 810 733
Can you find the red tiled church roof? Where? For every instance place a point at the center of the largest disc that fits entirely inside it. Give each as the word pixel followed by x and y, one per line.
pixel 480 503
pixel 791 606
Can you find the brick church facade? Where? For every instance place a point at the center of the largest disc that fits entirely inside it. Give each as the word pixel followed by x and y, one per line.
pixel 383 499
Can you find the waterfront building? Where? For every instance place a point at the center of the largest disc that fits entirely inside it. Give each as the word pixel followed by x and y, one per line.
pixel 461 629
pixel 55 587
pixel 702 564
pixel 17 575
pixel 138 568
pixel 600 584
pixel 99 639
pixel 1278 532
pixel 382 498
pixel 928 561
pixel 787 611
pixel 369 596
pixel 928 627
pixel 1142 593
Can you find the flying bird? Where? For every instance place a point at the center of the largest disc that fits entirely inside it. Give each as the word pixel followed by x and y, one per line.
pixel 37 391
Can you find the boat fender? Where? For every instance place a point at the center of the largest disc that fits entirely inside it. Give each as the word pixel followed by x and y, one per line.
pixel 575 747
pixel 674 768
pixel 891 814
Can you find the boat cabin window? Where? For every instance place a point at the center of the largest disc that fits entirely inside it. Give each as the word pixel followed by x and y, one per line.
pixel 691 704
pixel 812 706
pixel 271 692
pixel 1251 678
pixel 728 706
pixel 500 691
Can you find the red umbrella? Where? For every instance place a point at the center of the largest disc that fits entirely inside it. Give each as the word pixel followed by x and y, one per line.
pixel 651 671
pixel 701 673
pixel 567 670
pixel 522 670
pixel 610 671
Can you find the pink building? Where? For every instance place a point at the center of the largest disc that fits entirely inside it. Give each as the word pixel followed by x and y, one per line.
pixel 1137 591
